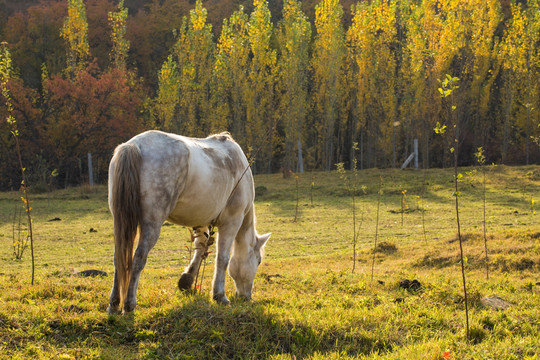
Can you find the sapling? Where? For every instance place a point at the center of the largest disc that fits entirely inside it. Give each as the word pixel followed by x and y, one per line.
pixel 379 194
pixel 297 198
pixel 448 85
pixel 5 76
pixel 422 199
pixel 312 186
pixel 526 178
pixel 20 237
pixel 403 203
pixel 481 159
pixel 352 186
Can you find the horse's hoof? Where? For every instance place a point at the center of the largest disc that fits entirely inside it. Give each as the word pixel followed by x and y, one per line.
pixel 128 308
pixel 185 282
pixel 113 310
pixel 221 299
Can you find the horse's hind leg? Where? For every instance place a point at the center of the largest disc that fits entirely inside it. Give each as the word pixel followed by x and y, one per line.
pixel 114 299
pixel 149 236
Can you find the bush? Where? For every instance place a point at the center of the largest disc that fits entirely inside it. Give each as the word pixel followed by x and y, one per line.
pixel 260 190
pixel 386 247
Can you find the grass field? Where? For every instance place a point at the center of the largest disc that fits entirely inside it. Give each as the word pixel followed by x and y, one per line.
pixel 306 304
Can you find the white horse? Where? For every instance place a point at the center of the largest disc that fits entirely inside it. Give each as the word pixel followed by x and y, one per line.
pixel 157 176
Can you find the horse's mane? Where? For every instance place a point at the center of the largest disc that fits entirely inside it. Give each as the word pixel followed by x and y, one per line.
pixel 222 136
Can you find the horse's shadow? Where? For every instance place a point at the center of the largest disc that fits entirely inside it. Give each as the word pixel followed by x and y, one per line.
pixel 201 329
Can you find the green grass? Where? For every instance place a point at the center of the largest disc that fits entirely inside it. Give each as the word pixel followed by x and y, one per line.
pixel 306 304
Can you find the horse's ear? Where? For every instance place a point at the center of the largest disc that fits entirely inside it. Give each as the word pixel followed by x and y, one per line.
pixel 262 239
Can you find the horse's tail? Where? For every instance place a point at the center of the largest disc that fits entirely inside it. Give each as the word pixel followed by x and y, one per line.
pixel 126 210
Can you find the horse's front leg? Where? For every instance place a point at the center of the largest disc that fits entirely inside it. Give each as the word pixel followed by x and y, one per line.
pixel 149 236
pixel 199 237
pixel 225 239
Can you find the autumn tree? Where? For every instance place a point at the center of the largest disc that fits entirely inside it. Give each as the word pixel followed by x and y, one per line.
pixel 75 34
pixel 521 63
pixel 479 68
pixel 194 56
pixel 94 112
pixel 327 62
pixel 371 41
pixel 120 45
pixel 261 120
pixel 230 78
pixel 418 96
pixel 433 46
pixel 294 36
pixel 33 38
pixel 167 99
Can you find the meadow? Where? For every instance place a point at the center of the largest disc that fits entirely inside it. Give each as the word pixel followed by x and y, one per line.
pixel 307 303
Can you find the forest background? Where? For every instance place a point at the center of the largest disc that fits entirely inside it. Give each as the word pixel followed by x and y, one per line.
pixel 284 78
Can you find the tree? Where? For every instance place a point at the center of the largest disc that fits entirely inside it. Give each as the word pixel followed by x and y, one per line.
pixel 294 36
pixel 327 62
pixel 94 112
pixel 120 48
pixel 261 121
pixel 230 78
pixel 480 68
pixel 371 40
pixel 33 38
pixel 166 102
pixel 416 69
pixel 521 62
pixel 75 34
pixel 194 56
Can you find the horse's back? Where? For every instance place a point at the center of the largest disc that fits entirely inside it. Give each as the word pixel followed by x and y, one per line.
pixel 216 165
pixel 188 180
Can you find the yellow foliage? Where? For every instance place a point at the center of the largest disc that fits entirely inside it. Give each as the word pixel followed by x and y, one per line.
pixel 75 33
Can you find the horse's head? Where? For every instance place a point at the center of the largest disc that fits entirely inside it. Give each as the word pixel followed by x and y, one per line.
pixel 243 267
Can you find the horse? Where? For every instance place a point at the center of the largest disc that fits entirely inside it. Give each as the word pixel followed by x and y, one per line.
pixel 197 183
